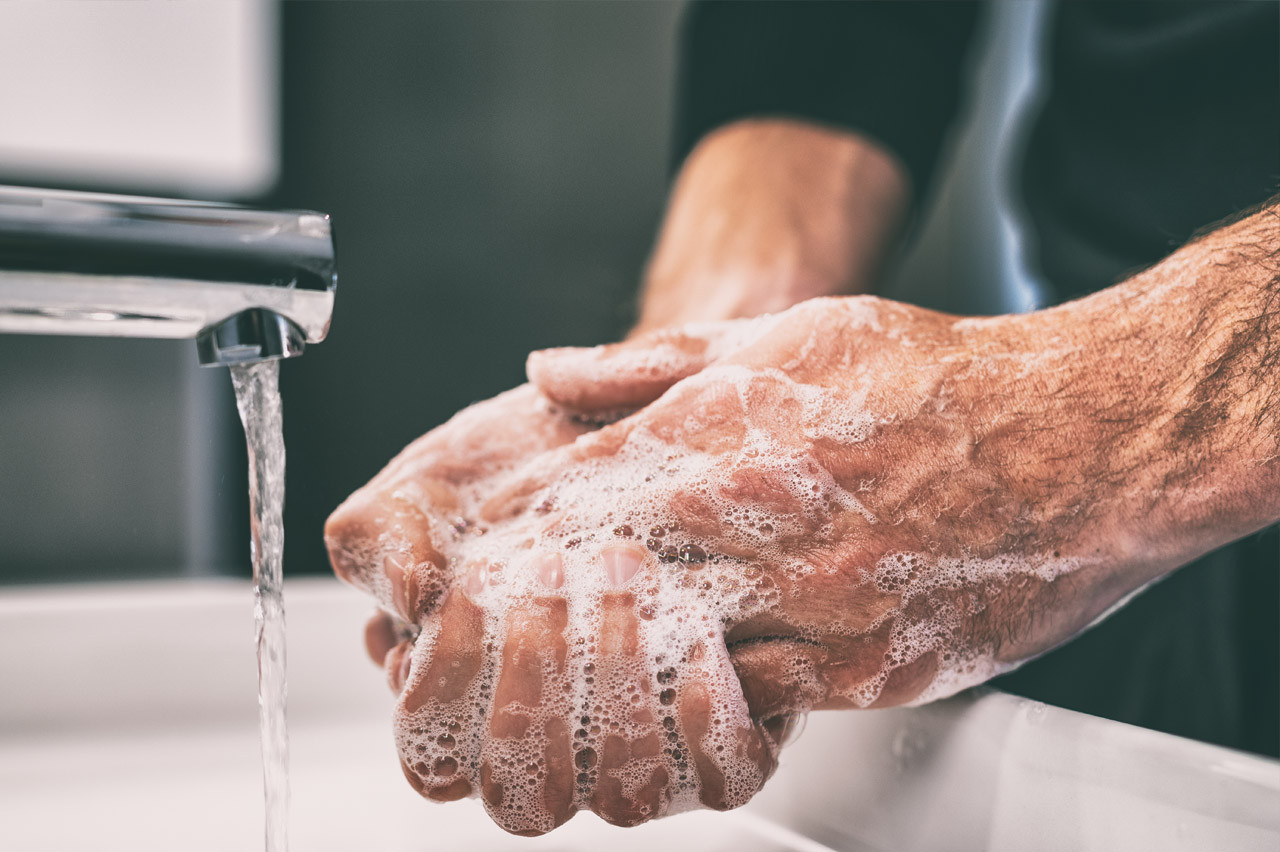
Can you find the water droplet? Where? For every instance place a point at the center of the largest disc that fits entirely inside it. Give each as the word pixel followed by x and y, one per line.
pixel 446 741
pixel 653 543
pixel 666 676
pixel 657 532
pixel 623 531
pixel 667 696
pixel 668 554
pixel 445 766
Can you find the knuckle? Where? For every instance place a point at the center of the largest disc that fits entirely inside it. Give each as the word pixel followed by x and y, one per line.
pixel 348 534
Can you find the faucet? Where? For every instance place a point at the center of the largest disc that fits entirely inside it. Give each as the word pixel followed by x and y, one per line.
pixel 248 285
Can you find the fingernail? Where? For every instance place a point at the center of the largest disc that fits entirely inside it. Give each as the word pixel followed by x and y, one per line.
pixel 621 562
pixel 393 567
pixel 550 568
pixel 476 579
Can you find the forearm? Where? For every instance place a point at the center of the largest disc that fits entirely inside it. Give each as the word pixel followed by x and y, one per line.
pixel 765 214
pixel 1221 428
pixel 1174 394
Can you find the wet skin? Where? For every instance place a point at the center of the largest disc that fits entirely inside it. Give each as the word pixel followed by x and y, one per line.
pixel 852 503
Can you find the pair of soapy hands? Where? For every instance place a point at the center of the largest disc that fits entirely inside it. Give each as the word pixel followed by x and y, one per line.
pixel 615 588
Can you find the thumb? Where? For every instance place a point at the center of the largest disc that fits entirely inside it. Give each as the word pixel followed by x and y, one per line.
pixel 629 375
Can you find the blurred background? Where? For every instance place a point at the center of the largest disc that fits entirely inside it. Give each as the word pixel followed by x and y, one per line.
pixel 495 172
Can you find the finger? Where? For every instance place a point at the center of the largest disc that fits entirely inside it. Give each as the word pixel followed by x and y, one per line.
pixel 383 543
pixel 620 760
pixel 515 496
pixel 630 375
pixel 630 782
pixel 526 766
pixel 731 756
pixel 387 537
pixel 380 636
pixel 483 438
pixel 437 732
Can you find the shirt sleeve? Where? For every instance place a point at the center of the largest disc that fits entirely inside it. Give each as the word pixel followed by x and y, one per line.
pixel 888 70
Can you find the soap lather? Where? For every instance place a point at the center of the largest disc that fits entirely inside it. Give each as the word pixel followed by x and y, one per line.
pixel 248 285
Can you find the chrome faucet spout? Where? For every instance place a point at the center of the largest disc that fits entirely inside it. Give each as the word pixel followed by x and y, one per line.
pixel 247 285
pixel 249 336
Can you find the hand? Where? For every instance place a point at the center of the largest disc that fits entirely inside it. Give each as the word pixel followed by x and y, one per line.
pixel 419 528
pixel 913 502
pixel 390 537
pixel 853 503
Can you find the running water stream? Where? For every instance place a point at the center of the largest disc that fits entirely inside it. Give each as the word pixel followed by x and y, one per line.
pixel 258 399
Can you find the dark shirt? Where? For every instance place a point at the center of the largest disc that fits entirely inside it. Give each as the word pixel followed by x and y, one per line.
pixel 1159 119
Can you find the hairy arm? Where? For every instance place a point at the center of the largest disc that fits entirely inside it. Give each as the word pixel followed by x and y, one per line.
pixel 1203 330
pixel 1130 431
pixel 768 213
pixel 854 502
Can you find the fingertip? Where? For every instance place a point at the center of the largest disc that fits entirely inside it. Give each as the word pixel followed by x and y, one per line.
pixel 540 363
pixel 379 637
pixel 557 373
pixel 619 376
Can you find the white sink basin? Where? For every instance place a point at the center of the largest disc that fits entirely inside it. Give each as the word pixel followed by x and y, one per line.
pixel 128 721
